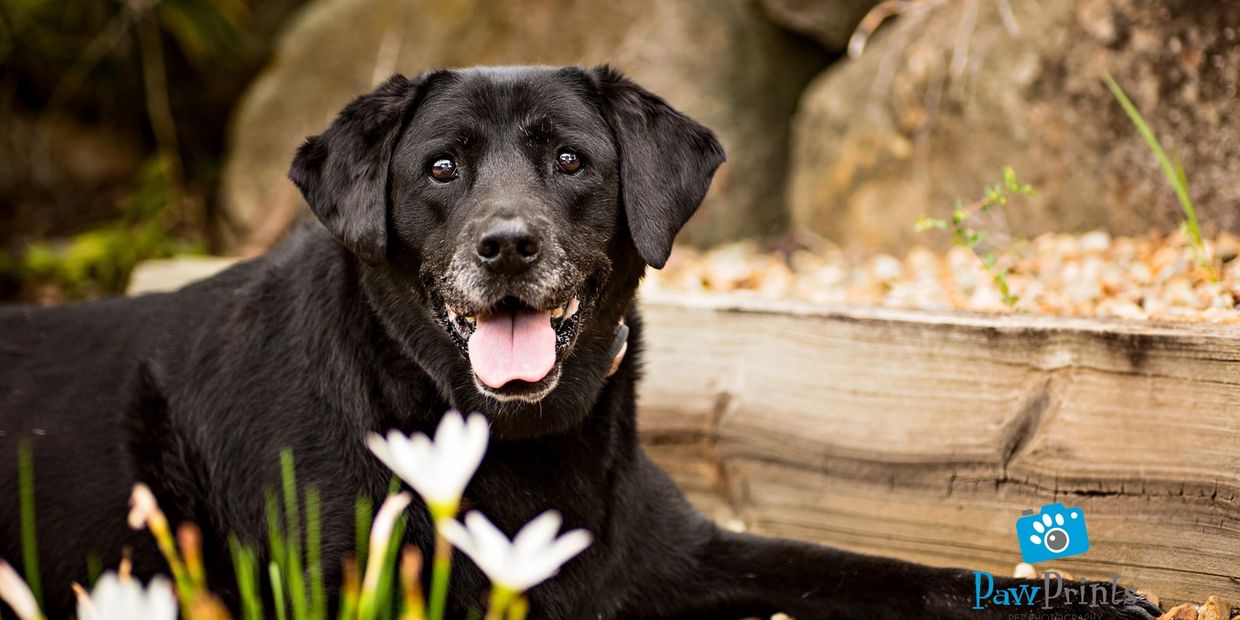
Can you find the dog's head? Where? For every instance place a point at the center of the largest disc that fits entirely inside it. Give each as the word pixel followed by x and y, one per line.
pixel 518 206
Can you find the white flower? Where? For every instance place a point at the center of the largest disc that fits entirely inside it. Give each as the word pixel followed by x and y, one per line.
pixel 437 470
pixel 15 592
pixel 380 533
pixel 535 555
pixel 142 506
pixel 122 598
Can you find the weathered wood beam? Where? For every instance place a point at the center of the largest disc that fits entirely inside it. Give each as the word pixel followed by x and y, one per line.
pixel 922 435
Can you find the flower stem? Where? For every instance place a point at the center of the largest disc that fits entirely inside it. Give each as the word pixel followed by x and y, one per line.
pixel 501 598
pixel 519 608
pixel 439 578
pixel 30 546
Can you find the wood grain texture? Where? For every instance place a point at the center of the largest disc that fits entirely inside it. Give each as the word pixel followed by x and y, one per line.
pixel 923 435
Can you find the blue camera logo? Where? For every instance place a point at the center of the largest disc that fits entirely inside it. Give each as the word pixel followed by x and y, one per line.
pixel 1056 532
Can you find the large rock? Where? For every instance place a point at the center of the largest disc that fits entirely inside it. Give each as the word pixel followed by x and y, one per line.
pixel 830 22
pixel 719 61
pixel 881 140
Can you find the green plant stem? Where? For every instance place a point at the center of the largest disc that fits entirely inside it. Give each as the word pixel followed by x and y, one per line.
pixel 277 589
pixel 1171 169
pixel 94 568
pixel 1168 168
pixel 314 557
pixel 501 598
pixel 439 577
pixel 30 545
pixel 363 515
pixel 292 538
pixel 247 581
pixel 518 609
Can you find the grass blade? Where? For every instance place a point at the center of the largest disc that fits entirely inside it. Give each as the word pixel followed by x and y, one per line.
pixel 292 538
pixel 314 558
pixel 94 568
pixel 277 588
pixel 245 568
pixel 1173 171
pixel 275 532
pixel 30 545
pixel 363 515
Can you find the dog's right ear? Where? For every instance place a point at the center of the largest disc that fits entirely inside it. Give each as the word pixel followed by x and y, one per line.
pixel 343 172
pixel 666 162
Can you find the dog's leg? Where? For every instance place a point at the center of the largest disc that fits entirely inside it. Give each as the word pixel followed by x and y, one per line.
pixel 746 574
pixel 706 572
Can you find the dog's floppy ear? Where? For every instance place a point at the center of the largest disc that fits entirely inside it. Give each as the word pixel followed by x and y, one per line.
pixel 343 171
pixel 666 162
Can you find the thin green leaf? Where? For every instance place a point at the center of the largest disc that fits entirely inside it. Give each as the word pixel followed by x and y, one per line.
pixel 292 539
pixel 30 545
pixel 314 558
pixel 245 568
pixel 363 515
pixel 277 589
pixel 1174 173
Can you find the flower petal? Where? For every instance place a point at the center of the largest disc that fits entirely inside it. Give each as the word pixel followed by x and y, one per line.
pixel 142 506
pixel 15 592
pixel 473 447
pixel 547 563
pixel 421 470
pixel 380 448
pixel 161 603
pixel 536 535
pixel 494 549
pixel 460 538
pixel 380 533
pixel 451 428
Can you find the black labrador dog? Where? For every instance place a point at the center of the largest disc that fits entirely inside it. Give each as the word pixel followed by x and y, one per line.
pixel 480 238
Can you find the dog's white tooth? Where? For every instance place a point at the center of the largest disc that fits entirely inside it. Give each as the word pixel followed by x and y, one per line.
pixel 573 306
pixel 451 314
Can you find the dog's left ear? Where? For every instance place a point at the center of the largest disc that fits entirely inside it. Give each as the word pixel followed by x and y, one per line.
pixel 666 162
pixel 343 172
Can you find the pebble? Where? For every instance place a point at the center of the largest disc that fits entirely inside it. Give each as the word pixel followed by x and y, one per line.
pixel 1215 608
pixel 1151 277
pixel 885 268
pixel 1180 612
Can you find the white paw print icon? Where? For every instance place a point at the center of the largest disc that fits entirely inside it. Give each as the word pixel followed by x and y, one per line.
pixel 1052 529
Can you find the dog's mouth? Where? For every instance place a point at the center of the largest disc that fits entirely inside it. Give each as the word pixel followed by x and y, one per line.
pixel 513 347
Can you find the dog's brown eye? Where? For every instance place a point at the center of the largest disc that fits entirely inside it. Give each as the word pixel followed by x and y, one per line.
pixel 568 161
pixel 443 170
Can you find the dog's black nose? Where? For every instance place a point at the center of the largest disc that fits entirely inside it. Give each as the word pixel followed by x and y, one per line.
pixel 509 246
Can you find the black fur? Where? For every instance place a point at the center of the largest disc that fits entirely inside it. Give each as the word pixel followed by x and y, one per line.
pixel 341 331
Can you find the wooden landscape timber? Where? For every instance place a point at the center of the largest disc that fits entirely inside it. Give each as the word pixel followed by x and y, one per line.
pixel 922 435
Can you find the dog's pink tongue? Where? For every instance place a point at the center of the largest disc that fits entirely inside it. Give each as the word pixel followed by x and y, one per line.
pixel 507 346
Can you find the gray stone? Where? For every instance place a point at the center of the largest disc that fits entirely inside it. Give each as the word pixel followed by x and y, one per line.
pixel 830 22
pixel 893 135
pixel 721 62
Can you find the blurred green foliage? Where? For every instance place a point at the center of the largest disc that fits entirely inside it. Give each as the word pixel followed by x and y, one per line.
pixel 100 260
pixel 164 73
pixel 963 233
